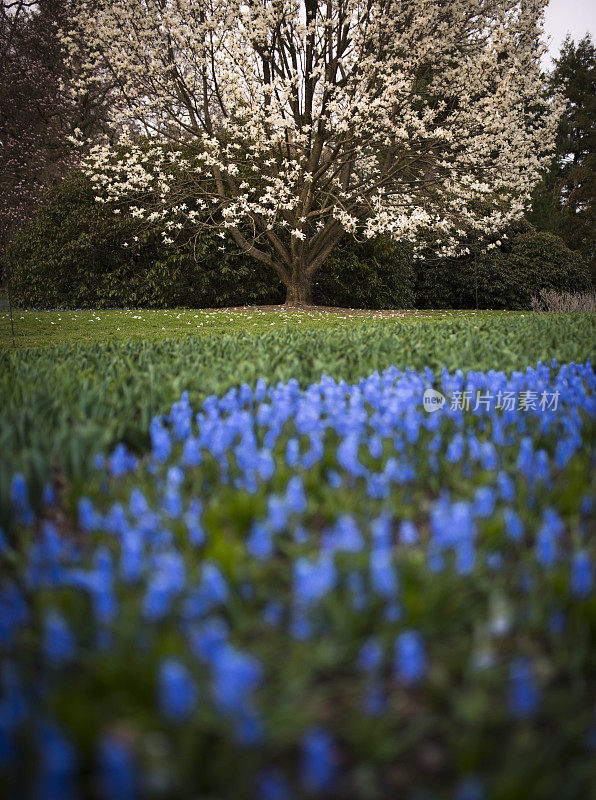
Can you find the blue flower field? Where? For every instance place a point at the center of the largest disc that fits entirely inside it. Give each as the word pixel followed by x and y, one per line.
pixel 324 590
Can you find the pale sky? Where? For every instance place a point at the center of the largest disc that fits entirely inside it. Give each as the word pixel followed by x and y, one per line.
pixel 577 17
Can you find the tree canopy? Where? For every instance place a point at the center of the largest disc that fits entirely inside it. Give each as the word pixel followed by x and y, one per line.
pixel 288 123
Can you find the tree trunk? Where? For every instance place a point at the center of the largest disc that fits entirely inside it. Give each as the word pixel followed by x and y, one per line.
pixel 299 290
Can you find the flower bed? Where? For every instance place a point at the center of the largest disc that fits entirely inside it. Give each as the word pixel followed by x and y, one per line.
pixel 327 590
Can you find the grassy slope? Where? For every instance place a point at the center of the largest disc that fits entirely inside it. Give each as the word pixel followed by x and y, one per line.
pixel 60 405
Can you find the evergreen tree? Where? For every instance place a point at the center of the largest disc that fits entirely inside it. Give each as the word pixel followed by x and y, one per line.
pixel 565 201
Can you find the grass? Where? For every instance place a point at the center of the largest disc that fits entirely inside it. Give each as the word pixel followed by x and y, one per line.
pixel 42 328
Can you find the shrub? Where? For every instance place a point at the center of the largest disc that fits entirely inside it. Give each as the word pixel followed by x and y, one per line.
pixel 77 253
pixel 506 277
pixel 372 274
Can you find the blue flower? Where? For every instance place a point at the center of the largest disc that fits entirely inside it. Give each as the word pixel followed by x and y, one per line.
pixel 313 580
pixel 56 764
pixel 208 639
pixel 410 657
pixel 513 525
pixel 138 504
pixel 277 513
pixel 181 417
pixel 546 547
pixel 506 487
pixel 49 495
pixel 172 503
pixel 292 453
pixel 469 789
pixel 235 676
pixel 259 543
pixel 370 656
pixel 319 760
pixel 178 691
pixel 347 455
pixel 382 573
pixel 160 440
pixel 345 536
pixel 455 449
pixel 158 598
pixel 524 696
pixel 19 496
pixel 58 642
pixel 117 769
pixel 121 461
pixel 408 534
pixel 88 520
pixel 196 534
pixel 334 479
pixel 213 585
pixel 295 496
pixel 465 557
pixel 381 532
pixel 191 452
pixel 582 575
pixel 488 456
pixel 273 613
pixel 271 785
pixel 265 465
pixel 374 700
pixel 484 501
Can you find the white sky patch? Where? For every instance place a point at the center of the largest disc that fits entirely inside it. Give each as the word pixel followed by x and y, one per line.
pixel 576 17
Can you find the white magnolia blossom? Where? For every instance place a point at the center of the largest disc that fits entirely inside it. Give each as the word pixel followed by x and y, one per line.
pixel 289 123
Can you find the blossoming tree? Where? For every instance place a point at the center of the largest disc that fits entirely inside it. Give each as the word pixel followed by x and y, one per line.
pixel 288 123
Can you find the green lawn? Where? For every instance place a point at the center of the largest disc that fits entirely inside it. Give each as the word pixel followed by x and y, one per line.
pixel 41 328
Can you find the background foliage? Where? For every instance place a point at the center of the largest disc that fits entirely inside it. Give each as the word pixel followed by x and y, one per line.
pixel 505 277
